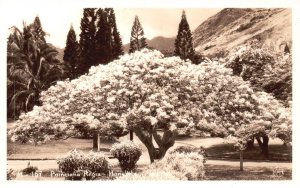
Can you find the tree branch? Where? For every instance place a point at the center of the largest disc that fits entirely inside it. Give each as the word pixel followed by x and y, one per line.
pixel 157 138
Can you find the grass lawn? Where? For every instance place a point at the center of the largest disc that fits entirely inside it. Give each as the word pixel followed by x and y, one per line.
pixel 52 149
pixel 215 148
pixel 225 172
pixel 277 152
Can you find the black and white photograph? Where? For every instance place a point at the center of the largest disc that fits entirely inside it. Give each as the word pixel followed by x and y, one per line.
pixel 101 92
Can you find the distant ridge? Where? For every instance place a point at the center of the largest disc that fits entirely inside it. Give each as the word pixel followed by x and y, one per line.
pixel 160 43
pixel 234 26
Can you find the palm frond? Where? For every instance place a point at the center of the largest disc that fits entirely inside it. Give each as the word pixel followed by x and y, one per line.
pixel 28 100
pixel 32 66
pixel 17 95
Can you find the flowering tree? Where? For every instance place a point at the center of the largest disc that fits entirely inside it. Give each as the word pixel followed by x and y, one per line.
pixel 264 68
pixel 157 98
pixel 267 71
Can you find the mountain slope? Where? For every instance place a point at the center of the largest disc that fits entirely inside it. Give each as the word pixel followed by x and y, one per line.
pixel 232 27
pixel 163 44
pixel 60 52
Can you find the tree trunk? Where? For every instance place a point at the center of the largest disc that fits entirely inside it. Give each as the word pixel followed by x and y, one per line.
pixel 147 141
pixel 265 149
pixel 161 152
pixel 259 141
pixel 164 143
pixel 241 160
pixel 250 144
pixel 264 145
pixel 131 135
pixel 98 142
pixel 152 153
pixel 95 144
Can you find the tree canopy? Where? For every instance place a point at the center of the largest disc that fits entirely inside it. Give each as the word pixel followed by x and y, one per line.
pixel 148 93
pixel 265 69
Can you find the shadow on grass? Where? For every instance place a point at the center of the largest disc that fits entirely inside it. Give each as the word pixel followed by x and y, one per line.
pixel 183 137
pixel 224 172
pixel 227 152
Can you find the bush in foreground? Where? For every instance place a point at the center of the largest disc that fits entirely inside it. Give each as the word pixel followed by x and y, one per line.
pixel 95 163
pixel 151 175
pixel 29 170
pixel 128 153
pixel 77 165
pixel 174 166
pixel 190 149
pixel 10 174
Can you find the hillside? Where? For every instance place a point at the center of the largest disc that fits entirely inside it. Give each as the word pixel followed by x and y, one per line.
pixel 160 43
pixel 60 52
pixel 232 27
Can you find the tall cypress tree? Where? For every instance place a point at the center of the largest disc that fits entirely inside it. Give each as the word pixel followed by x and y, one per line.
pixel 87 40
pixel 184 41
pixel 108 40
pixel 38 30
pixel 137 39
pixel 103 38
pixel 100 41
pixel 71 52
pixel 117 45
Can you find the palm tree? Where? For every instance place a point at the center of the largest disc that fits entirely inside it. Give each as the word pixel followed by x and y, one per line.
pixel 31 68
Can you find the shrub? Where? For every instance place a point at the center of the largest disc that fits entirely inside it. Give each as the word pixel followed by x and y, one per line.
pixel 243 27
pixel 190 165
pixel 190 149
pixel 78 165
pixel 259 17
pixel 29 170
pixel 181 163
pixel 95 163
pixel 209 46
pixel 72 162
pixel 10 174
pixel 149 175
pixel 128 153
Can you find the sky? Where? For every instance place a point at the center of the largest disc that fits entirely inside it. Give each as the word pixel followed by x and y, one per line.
pixel 155 22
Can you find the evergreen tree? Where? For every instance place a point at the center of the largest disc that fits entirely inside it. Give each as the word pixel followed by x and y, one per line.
pixel 103 38
pixel 38 30
pixel 137 39
pixel 108 40
pixel 71 52
pixel 183 43
pixel 87 40
pixel 117 45
pixel 286 49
